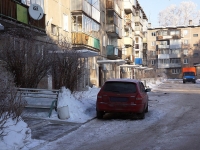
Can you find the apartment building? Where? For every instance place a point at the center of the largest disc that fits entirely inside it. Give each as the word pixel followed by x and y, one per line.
pixel 109 34
pixel 172 48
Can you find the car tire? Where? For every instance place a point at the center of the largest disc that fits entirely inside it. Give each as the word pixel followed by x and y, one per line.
pixel 100 114
pixel 141 115
pixel 183 81
pixel 147 108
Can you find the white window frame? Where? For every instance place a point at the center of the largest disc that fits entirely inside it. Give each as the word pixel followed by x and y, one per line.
pixel 185 61
pixel 65 22
pixel 176 71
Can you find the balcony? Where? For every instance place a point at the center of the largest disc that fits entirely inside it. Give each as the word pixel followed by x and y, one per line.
pixel 128 8
pixel 113 31
pixel 112 5
pixel 113 52
pixel 169 65
pixel 160 37
pixel 139 20
pixel 82 40
pixel 163 46
pixel 128 42
pixel 16 12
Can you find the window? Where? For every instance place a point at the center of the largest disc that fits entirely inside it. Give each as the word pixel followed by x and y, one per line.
pixel 185 32
pixel 152 62
pixel 185 42
pixel 195 44
pixel 65 22
pixel 185 61
pixel 153 43
pixel 137 54
pixel 175 61
pixel 195 54
pixel 153 34
pixel 124 51
pixel 54 29
pixel 136 40
pixel 176 71
pixel 93 63
pixel 195 35
pixel 185 52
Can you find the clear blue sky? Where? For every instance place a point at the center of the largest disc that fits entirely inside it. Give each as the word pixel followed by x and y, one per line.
pixel 153 7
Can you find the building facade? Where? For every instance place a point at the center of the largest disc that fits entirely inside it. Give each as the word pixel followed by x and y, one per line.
pixel 109 34
pixel 172 48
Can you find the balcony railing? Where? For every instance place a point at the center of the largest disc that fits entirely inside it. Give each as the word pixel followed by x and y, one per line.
pixel 114 31
pixel 128 8
pixel 128 42
pixel 84 40
pixel 111 4
pixel 163 46
pixel 18 12
pixel 169 65
pixel 166 37
pixel 113 52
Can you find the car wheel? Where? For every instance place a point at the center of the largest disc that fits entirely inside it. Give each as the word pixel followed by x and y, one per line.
pixel 141 115
pixel 100 114
pixel 183 81
pixel 147 108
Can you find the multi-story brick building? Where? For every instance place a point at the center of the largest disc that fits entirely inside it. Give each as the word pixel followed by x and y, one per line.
pixel 172 48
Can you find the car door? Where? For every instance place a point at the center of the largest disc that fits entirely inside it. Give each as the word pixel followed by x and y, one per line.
pixel 143 93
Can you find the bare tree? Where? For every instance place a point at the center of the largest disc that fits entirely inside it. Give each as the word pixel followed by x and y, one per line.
pixel 179 15
pixel 11 103
pixel 30 59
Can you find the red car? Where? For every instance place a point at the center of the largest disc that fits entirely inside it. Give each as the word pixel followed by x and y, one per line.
pixel 122 96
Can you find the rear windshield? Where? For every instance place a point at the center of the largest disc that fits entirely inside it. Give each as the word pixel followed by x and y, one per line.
pixel 189 74
pixel 120 87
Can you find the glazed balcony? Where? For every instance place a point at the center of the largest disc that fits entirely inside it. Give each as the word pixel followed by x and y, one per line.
pixel 128 42
pixel 161 38
pixel 82 40
pixel 113 52
pixel 128 6
pixel 112 5
pixel 16 12
pixel 169 65
pixel 113 31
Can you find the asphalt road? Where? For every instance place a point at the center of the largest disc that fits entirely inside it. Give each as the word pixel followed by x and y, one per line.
pixel 172 123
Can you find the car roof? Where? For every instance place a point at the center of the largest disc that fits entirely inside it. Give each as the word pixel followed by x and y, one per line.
pixel 124 80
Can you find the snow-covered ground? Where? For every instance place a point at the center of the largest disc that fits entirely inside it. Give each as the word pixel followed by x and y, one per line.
pixel 81 107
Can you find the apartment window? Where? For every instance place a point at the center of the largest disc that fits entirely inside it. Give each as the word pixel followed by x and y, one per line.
pixel 54 29
pixel 185 32
pixel 124 51
pixel 137 46
pixel 195 44
pixel 137 54
pixel 176 71
pixel 153 62
pixel 153 43
pixel 153 34
pixel 185 42
pixel 185 52
pixel 185 61
pixel 65 22
pixel 175 61
pixel 163 61
pixel 195 54
pixel 195 35
pixel 136 40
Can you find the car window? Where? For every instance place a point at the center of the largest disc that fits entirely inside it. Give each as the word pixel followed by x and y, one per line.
pixel 142 88
pixel 120 87
pixel 189 73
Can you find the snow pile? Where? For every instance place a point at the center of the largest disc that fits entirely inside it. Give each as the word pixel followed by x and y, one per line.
pixel 16 135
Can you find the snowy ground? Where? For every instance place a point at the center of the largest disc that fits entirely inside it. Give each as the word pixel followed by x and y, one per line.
pixel 81 108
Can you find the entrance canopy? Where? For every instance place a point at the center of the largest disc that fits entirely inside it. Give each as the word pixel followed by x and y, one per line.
pixel 117 62
pixel 87 53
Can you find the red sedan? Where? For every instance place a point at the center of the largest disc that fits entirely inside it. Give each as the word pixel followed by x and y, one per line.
pixel 122 96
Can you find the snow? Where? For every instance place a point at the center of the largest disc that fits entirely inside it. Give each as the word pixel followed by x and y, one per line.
pixel 81 107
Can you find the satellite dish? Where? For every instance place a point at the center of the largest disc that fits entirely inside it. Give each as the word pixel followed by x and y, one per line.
pixel 35 11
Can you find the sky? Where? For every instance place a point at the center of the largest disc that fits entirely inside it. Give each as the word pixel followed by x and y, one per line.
pixel 153 7
pixel 80 108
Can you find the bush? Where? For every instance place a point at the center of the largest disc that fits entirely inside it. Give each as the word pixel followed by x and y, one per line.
pixel 11 102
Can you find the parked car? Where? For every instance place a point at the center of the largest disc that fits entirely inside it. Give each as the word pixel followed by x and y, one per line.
pixel 122 96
